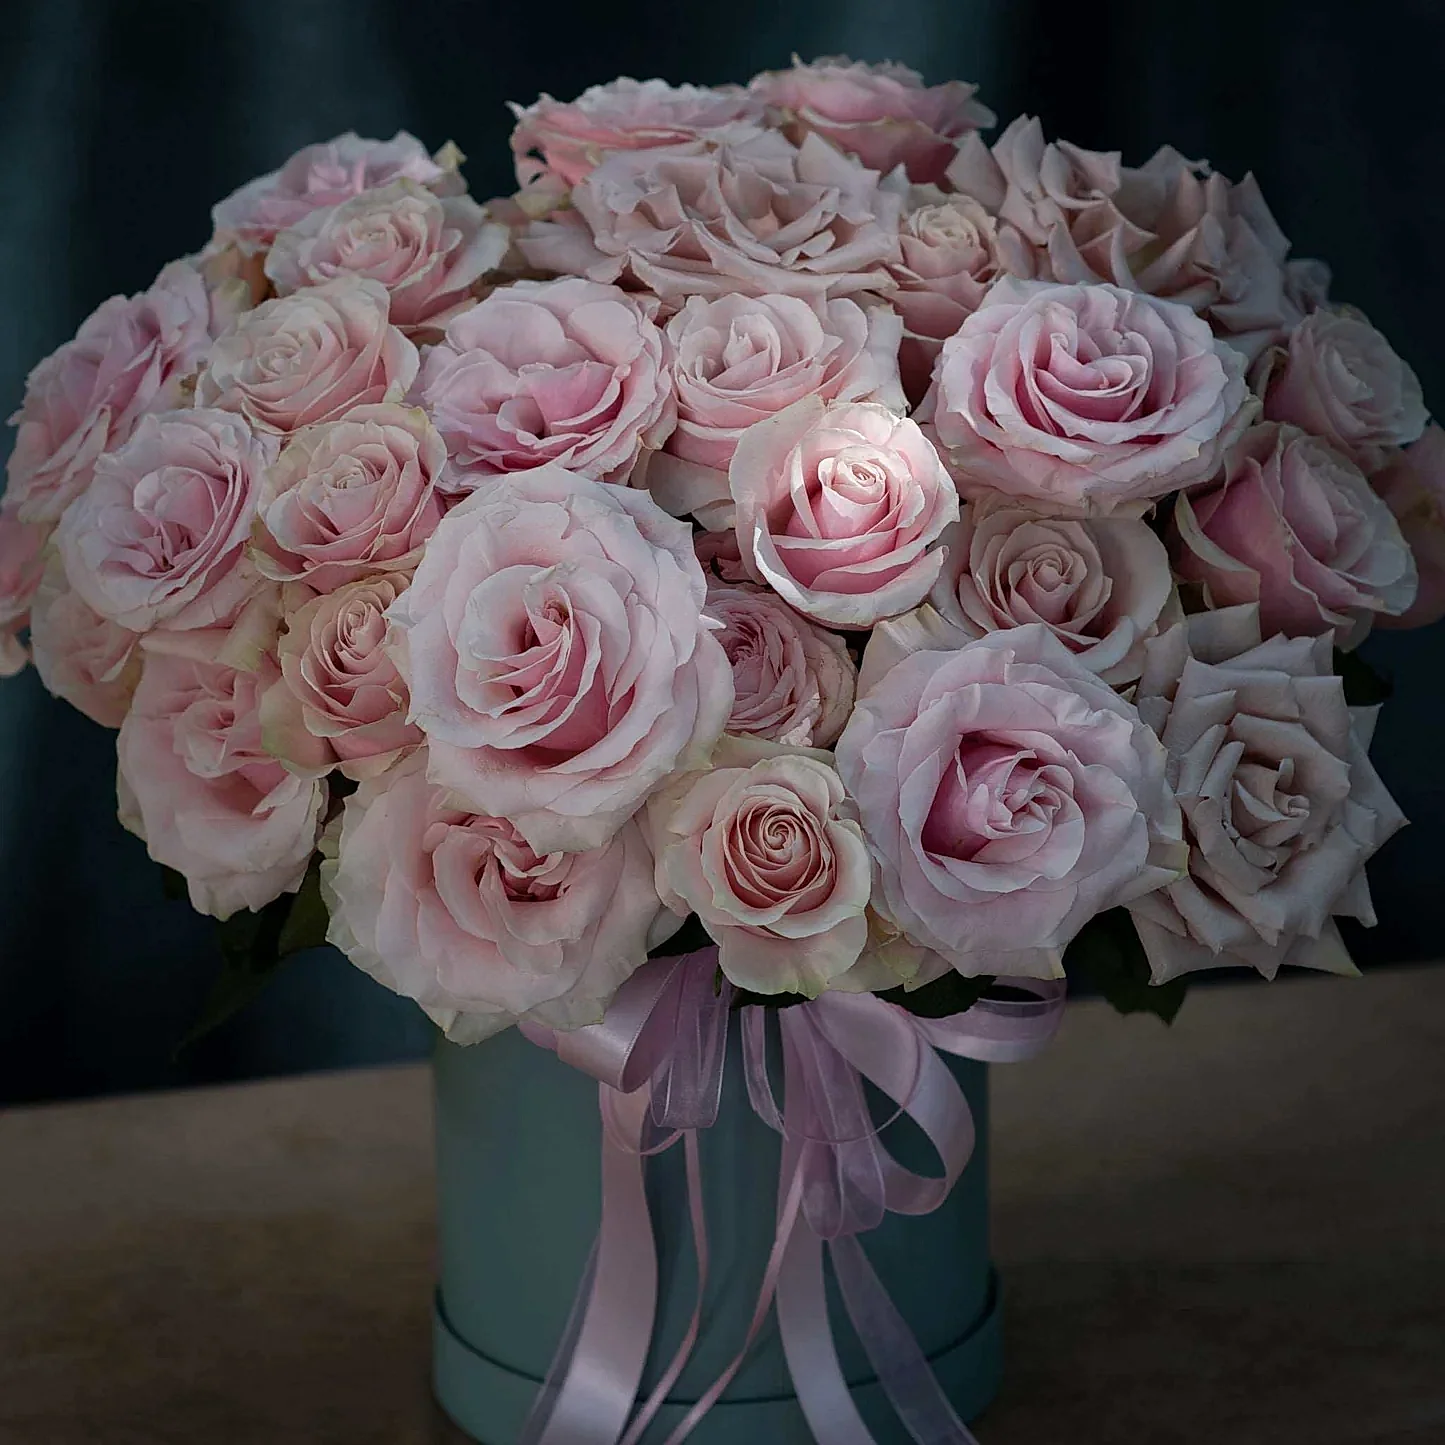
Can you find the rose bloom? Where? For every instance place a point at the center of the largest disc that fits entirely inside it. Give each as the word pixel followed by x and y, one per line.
pixel 131 356
pixel 198 787
pixel 1293 526
pixel 564 371
pixel 1281 805
pixel 740 359
pixel 339 701
pixel 324 175
pixel 558 143
pixel 309 358
pixel 882 113
pixel 1007 795
pixel 160 537
pixel 951 251
pixel 758 216
pixel 765 848
pixel 351 498
pixel 1172 228
pixel 22 560
pixel 428 252
pixel 792 680
pixel 838 508
pixel 1088 399
pixel 1413 487
pixel 1101 585
pixel 1340 379
pixel 558 656
pixel 90 661
pixel 456 910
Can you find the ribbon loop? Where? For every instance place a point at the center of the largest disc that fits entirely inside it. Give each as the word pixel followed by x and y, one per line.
pixel 660 1056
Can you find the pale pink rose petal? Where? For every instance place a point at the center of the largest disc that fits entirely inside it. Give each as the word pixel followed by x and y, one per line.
pixel 1294 527
pixel 882 113
pixel 738 360
pixel 22 561
pixel 310 357
pixel 567 372
pixel 1007 795
pixel 558 143
pixel 351 498
pixel 758 216
pixel 428 252
pixel 766 849
pixel 1413 487
pixel 1339 378
pixel 838 509
pixel 792 680
pixel 325 175
pixel 1101 585
pixel 456 910
pixel 1085 399
pixel 90 661
pixel 131 356
pixel 160 537
pixel 339 701
pixel 199 788
pixel 1281 806
pixel 559 659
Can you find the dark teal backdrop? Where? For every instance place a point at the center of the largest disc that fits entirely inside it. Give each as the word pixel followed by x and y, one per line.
pixel 121 122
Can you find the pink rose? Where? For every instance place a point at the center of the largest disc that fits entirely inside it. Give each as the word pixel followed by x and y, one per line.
pixel 325 175
pixel 22 560
pixel 1171 228
pixel 1281 806
pixel 339 701
pixel 558 656
pixel 198 787
pixel 792 680
pixel 131 356
pixel 720 556
pixel 740 359
pixel 1413 486
pixel 758 216
pixel 309 357
pixel 951 251
pixel 1089 399
pixel 457 911
pixel 1293 526
pixel 351 498
pixel 160 537
pixel 558 143
pixel 765 848
pixel 1007 795
pixel 429 253
pixel 883 114
pixel 562 371
pixel 1101 585
pixel 90 661
pixel 838 508
pixel 1339 379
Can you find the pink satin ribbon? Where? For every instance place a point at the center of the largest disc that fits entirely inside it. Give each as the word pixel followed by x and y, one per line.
pixel 658 1057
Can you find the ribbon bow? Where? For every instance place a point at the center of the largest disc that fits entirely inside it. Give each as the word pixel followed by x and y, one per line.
pixel 658 1057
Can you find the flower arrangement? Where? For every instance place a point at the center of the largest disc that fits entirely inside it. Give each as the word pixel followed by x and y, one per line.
pixel 908 561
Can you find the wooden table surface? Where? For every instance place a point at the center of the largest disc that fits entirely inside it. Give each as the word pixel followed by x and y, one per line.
pixel 1229 1231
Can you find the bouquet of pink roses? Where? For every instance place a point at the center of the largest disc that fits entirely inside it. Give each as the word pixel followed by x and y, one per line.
pixel 905 556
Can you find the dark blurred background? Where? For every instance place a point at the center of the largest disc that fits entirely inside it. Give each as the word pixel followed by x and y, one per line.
pixel 121 123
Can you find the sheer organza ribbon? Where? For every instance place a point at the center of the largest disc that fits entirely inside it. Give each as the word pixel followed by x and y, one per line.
pixel 658 1058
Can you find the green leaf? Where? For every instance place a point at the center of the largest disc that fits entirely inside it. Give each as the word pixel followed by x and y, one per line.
pixel 253 947
pixel 1364 687
pixel 944 997
pixel 1107 954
